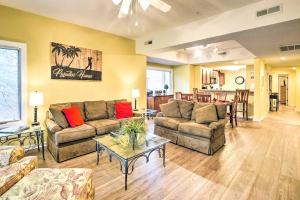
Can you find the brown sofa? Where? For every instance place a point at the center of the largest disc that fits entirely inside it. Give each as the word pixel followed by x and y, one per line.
pixel 181 128
pixel 65 142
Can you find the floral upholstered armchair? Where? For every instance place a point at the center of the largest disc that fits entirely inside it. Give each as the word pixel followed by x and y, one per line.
pixel 19 179
pixel 14 166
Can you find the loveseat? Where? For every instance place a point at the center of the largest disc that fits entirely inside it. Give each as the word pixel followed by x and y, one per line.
pixel 198 126
pixel 20 179
pixel 64 142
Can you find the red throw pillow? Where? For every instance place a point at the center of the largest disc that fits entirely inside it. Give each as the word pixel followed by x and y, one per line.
pixel 123 110
pixel 73 116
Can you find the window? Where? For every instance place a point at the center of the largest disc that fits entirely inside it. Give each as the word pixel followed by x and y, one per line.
pixel 11 98
pixel 158 78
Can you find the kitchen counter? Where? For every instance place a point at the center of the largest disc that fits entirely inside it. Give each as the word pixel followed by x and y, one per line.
pixel 227 91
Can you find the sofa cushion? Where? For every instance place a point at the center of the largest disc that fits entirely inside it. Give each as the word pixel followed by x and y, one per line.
pixel 185 108
pixel 193 128
pixel 73 134
pixel 110 105
pixel 80 105
pixel 73 116
pixel 197 106
pixel 170 109
pixel 207 114
pixel 221 110
pixel 168 122
pixel 104 126
pixel 95 110
pixel 59 117
pixel 123 110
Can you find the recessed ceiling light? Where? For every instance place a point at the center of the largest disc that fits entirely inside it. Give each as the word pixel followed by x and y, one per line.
pixel 282 58
pixel 236 62
pixel 294 68
pixel 197 53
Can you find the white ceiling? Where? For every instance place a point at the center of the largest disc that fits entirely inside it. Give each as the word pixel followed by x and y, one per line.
pixel 102 14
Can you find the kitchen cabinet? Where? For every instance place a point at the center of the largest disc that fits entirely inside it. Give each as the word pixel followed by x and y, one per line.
pixel 221 78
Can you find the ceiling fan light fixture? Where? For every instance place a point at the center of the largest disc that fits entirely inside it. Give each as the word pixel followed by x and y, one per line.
pixel 116 2
pixel 144 4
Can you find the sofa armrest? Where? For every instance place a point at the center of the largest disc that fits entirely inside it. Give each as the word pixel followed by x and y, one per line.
pixel 10 155
pixel 218 124
pixel 52 126
pixel 159 114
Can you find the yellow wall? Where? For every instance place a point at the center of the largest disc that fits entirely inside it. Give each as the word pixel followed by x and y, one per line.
pixel 298 89
pixel 261 91
pixel 230 77
pixel 161 66
pixel 122 68
pixel 275 72
pixel 182 78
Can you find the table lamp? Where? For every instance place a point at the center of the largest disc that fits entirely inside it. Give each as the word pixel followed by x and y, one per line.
pixel 135 95
pixel 36 99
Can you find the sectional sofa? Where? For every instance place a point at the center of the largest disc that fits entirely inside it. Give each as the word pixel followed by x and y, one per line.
pixel 65 142
pixel 178 122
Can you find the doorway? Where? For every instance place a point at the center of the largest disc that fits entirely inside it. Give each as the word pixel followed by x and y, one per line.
pixel 283 80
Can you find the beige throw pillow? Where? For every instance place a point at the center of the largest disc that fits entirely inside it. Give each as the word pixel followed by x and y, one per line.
pixel 185 108
pixel 221 110
pixel 196 107
pixel 170 109
pixel 95 110
pixel 206 114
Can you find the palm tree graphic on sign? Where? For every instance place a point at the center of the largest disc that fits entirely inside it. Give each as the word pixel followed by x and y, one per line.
pixel 70 53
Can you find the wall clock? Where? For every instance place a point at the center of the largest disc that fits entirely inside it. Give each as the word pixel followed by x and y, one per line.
pixel 239 80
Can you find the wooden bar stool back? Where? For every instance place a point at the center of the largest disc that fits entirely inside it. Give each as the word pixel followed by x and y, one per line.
pixel 243 97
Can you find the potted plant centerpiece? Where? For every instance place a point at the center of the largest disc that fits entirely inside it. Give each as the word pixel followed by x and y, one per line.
pixel 132 134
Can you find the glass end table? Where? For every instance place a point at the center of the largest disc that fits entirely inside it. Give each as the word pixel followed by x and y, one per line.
pixel 29 138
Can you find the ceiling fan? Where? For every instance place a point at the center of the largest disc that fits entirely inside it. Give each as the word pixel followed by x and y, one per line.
pixel 129 5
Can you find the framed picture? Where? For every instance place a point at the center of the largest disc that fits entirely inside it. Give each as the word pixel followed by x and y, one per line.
pixel 75 63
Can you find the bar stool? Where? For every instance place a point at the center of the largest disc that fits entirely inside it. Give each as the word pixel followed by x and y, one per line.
pixel 220 96
pixel 243 96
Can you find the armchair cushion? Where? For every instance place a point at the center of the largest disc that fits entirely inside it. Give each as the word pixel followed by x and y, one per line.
pixel 48 184
pixel 170 109
pixel 10 154
pixel 11 174
pixel 95 110
pixel 206 115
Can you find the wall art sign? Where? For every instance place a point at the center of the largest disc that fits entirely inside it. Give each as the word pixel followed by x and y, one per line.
pixel 75 63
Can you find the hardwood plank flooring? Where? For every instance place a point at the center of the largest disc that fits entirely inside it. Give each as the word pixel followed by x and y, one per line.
pixel 261 160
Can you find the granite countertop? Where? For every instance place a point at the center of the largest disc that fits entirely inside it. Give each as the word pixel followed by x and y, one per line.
pixel 215 90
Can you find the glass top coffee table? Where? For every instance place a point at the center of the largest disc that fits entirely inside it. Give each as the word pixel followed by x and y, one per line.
pixel 127 156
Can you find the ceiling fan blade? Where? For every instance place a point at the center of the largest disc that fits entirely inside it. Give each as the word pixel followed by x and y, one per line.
pixel 159 4
pixel 125 7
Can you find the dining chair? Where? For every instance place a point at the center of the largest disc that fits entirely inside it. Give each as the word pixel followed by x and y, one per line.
pixel 243 97
pixel 195 93
pixel 205 98
pixel 220 96
pixel 178 95
pixel 233 111
pixel 187 97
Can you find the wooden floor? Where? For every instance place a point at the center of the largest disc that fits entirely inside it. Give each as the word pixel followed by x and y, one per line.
pixel 260 161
